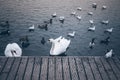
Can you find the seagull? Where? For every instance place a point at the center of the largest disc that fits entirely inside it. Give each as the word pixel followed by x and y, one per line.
pixel 54 14
pixel 105 22
pixel 109 54
pixel 92 43
pixel 62 18
pixel 91 22
pixel 78 17
pixel 13 50
pixel 94 5
pixel 104 7
pixel 32 28
pixel 79 8
pixel 109 30
pixel 73 13
pixel 90 13
pixel 91 28
pixel 71 34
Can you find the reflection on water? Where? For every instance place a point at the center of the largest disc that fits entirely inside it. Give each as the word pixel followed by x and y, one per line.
pixel 22 14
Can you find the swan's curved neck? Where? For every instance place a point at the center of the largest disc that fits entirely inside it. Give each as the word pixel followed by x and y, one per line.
pixel 13 52
pixel 52 48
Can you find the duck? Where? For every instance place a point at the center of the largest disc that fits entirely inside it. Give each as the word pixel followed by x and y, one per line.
pixel 32 28
pixel 54 14
pixel 79 8
pixel 104 7
pixel 24 41
pixel 51 21
pixel 94 5
pixel 24 38
pixel 109 30
pixel 5 24
pixel 71 34
pixel 61 19
pixel 92 43
pixel 5 32
pixel 105 41
pixel 78 17
pixel 43 41
pixel 90 13
pixel 109 54
pixel 91 28
pixel 44 26
pixel 59 46
pixel 73 13
pixel 105 22
pixel 91 22
pixel 13 50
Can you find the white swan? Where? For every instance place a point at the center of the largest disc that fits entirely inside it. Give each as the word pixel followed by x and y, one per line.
pixel 32 28
pixel 109 30
pixel 105 22
pixel 13 50
pixel 90 13
pixel 91 28
pixel 91 22
pixel 79 8
pixel 104 7
pixel 79 17
pixel 54 14
pixel 71 34
pixel 109 54
pixel 59 45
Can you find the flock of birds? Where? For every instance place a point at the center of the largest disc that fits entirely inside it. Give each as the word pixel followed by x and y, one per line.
pixel 59 45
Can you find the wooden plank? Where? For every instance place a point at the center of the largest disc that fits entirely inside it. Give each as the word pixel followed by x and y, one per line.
pixel 44 66
pixel 87 69
pixel 3 61
pixel 14 69
pixel 101 69
pixel 108 69
pixel 29 68
pixel 37 68
pixel 114 68
pixel 117 62
pixel 58 69
pixel 94 69
pixel 81 71
pixel 21 70
pixel 51 71
pixel 73 69
pixel 66 70
pixel 6 69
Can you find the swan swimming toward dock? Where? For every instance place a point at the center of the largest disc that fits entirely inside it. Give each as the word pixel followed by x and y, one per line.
pixel 59 45
pixel 13 50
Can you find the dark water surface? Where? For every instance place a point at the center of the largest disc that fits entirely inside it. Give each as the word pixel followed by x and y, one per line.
pixel 23 13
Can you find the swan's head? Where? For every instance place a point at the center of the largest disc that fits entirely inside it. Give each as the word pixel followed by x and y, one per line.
pixel 111 50
pixel 51 40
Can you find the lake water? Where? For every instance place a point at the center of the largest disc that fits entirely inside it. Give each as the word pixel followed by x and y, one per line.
pixel 21 14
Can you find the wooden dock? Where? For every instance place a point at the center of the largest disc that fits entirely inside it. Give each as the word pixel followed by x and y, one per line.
pixel 59 68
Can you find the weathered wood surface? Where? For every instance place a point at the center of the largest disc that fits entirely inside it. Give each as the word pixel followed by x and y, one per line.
pixel 59 68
